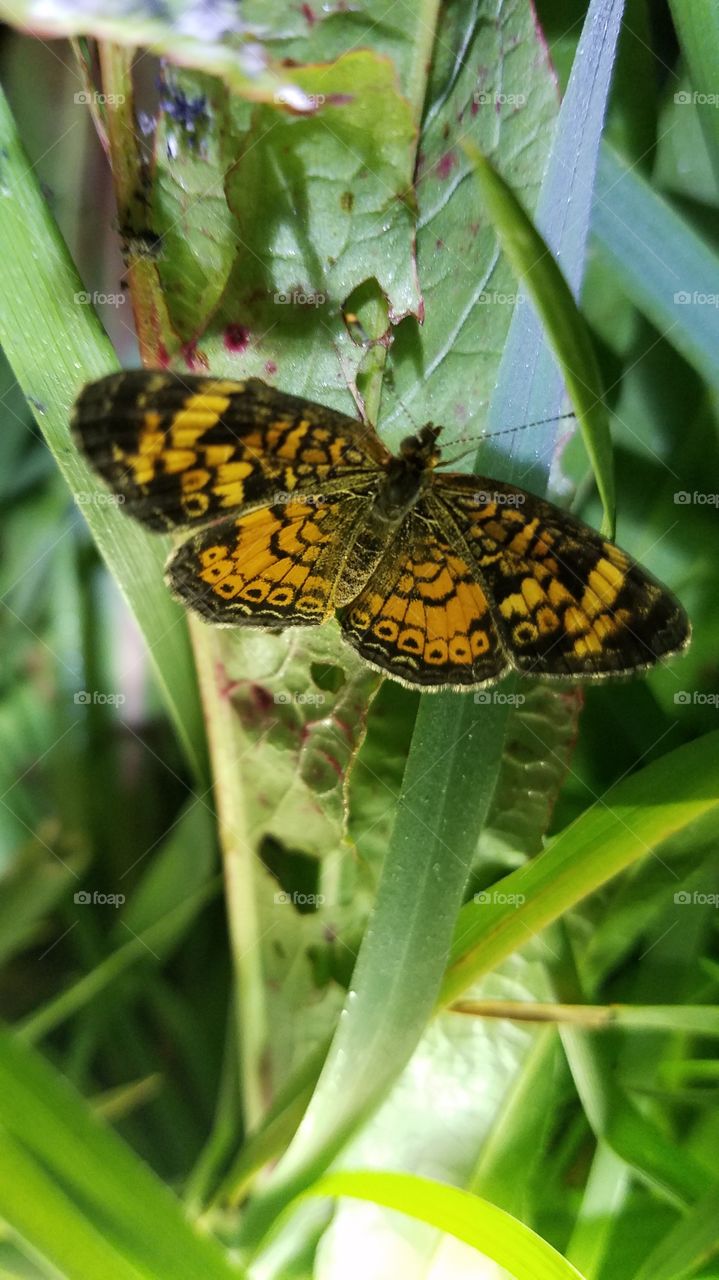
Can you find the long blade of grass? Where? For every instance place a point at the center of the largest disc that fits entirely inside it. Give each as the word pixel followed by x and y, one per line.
pixel 563 322
pixel 633 819
pixel 697 26
pixel 455 754
pixel 141 1219
pixel 55 343
pixel 477 1222
pixel 677 291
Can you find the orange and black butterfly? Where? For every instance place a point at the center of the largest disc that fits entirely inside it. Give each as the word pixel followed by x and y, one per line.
pixel 440 580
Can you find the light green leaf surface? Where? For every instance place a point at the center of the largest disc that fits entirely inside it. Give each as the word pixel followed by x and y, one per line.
pixel 477 1222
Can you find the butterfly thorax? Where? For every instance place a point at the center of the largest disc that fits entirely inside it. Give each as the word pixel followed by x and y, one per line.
pixel 407 475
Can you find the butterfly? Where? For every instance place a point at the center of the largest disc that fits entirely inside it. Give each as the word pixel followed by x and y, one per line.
pixel 296 512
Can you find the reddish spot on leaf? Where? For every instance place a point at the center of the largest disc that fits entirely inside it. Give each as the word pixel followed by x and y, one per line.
pixel 309 14
pixel 237 338
pixel 270 368
pixel 475 106
pixel 439 244
pixel 163 358
pixel 446 164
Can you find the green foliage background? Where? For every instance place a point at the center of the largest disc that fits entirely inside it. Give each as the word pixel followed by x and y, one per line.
pixel 159 1055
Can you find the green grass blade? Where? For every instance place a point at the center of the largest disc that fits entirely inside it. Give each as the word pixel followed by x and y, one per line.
pixel 564 324
pixel 635 816
pixel 632 226
pixel 490 1230
pixel 44 1216
pixel 55 344
pixel 140 1216
pixel 697 26
pixel 688 1246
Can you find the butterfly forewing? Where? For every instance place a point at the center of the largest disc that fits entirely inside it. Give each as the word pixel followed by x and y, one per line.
pixel 185 450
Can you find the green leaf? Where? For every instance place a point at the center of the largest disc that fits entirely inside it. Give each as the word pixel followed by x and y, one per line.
pixel 635 816
pixel 564 324
pixel 57 1133
pixel 697 26
pixel 632 226
pixel 477 1222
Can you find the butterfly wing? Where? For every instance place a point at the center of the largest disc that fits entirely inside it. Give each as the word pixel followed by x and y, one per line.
pixel 185 450
pixel 277 566
pixel 422 617
pixel 565 601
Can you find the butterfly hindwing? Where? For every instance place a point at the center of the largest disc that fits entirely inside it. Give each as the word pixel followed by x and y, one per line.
pixel 186 450
pixel 566 602
pixel 277 566
pixel 423 617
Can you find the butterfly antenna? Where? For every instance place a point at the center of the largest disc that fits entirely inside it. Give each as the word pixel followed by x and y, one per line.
pixel 474 441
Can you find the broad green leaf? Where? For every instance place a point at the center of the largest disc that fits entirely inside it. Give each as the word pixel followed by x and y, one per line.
pixel 106 1183
pixel 689 1246
pixel 453 765
pixel 477 1222
pixel 632 224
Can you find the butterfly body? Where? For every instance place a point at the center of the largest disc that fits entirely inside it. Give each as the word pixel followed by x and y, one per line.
pixel 296 512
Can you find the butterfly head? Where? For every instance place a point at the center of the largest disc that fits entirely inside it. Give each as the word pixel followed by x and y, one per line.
pixel 420 451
